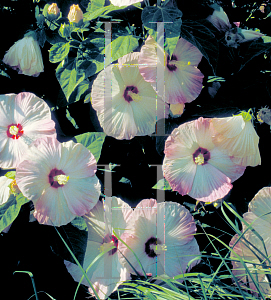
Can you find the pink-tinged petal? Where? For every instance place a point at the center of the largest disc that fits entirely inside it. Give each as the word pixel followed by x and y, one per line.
pixel 86 164
pixel 220 20
pixel 237 138
pixel 180 173
pixel 95 222
pixel 148 60
pixel 178 257
pixel 178 225
pixel 52 208
pixel 182 142
pixel 106 276
pixel 229 127
pixel 261 204
pixel 183 85
pixel 241 248
pixel 224 163
pixel 6 110
pixel 4 189
pixel 209 184
pixel 81 194
pixel 204 132
pixel 187 52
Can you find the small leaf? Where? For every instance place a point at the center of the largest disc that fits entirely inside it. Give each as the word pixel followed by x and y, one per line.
pixel 10 210
pixel 58 52
pixel 93 141
pixel 126 181
pixel 100 12
pixel 11 174
pixel 162 184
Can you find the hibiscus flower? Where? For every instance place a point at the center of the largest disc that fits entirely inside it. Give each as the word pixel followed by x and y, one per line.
pixel 130 109
pixel 162 238
pixel 23 119
pixel 237 137
pixel 25 56
pixel 106 273
pixel 60 180
pixel 253 250
pixel 183 80
pixel 193 165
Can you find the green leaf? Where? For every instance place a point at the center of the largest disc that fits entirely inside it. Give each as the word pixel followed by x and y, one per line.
pixel 201 36
pixel 126 181
pixel 58 52
pixel 100 12
pixel 173 22
pixel 121 46
pixel 162 184
pixel 95 4
pixel 11 174
pixel 93 141
pixel 257 47
pixel 68 78
pixel 10 210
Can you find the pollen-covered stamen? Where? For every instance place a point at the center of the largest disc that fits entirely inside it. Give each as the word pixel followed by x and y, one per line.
pixel 57 178
pixel 108 243
pixel 61 179
pixel 173 64
pixel 201 156
pixel 130 94
pixel 15 131
pixel 159 248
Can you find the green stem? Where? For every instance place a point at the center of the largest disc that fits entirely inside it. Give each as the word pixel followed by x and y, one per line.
pixel 32 279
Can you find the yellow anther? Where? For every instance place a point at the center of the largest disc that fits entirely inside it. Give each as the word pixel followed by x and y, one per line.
pixel 134 96
pixel 105 247
pixel 61 179
pixel 199 159
pixel 13 130
pixel 159 249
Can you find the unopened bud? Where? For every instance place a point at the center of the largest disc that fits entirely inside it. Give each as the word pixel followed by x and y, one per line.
pixel 64 30
pixel 75 14
pixel 53 12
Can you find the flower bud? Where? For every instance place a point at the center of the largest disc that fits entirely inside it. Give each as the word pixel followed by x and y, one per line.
pixel 53 12
pixel 75 14
pixel 64 30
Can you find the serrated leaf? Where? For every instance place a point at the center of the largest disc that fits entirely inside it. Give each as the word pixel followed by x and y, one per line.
pixel 203 38
pixel 93 141
pixel 162 184
pixel 121 46
pixel 172 24
pixel 10 210
pixel 58 52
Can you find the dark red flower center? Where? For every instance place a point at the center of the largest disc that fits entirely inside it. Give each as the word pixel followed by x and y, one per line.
pixel 15 131
pixel 126 94
pixel 55 172
pixel 111 238
pixel 171 67
pixel 201 156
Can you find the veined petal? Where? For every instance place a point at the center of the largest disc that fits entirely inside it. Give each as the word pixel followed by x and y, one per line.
pixel 261 204
pixel 180 173
pixel 52 208
pixel 209 184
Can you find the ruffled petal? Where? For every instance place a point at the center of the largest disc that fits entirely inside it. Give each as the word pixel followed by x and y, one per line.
pixel 52 208
pixel 82 194
pixel 180 173
pixel 209 184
